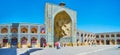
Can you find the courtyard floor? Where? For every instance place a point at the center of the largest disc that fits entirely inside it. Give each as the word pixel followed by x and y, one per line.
pixel 82 50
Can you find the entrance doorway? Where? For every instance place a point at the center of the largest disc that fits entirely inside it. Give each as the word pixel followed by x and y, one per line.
pixel 42 42
pixel 33 42
pixel 113 42
pixel 98 42
pixel 107 42
pixel 5 41
pixel 14 42
pixel 102 42
pixel 118 41
pixel 24 42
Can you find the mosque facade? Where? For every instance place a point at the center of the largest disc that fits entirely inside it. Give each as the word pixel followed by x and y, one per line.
pixel 60 25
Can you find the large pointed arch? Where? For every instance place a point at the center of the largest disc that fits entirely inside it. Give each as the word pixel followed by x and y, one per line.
pixel 62 25
pixel 60 10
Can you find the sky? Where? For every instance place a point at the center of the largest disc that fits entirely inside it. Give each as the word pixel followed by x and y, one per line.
pixel 92 15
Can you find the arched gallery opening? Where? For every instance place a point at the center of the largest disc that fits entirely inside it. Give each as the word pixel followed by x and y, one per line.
pixel 24 41
pixel 42 42
pixel 118 41
pixel 34 30
pixel 33 41
pixel 107 42
pixel 14 42
pixel 102 42
pixel 97 42
pixel 4 30
pixel 113 42
pixel 5 41
pixel 14 30
pixel 24 30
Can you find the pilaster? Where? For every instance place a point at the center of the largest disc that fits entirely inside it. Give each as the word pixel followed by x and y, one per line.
pixel 115 38
pixel 9 37
pixel 104 39
pixel 19 38
pixel 100 39
pixel 29 37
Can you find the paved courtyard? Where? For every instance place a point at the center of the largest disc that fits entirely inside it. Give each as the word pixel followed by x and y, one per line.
pixel 82 50
pixel 111 51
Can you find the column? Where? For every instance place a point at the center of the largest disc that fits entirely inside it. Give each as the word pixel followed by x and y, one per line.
pixel 110 39
pixel 104 39
pixel 99 39
pixel 80 38
pixel 38 40
pixel 74 40
pixel 95 39
pixel 83 39
pixel 9 37
pixel 52 33
pixel 29 37
pixel 115 38
pixel 87 42
pixel 19 38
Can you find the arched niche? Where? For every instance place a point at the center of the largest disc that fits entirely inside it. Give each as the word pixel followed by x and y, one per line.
pixel 24 30
pixel 14 30
pixel 4 30
pixel 33 30
pixel 62 25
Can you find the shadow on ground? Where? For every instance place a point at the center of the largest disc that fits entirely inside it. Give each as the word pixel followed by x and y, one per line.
pixel 118 46
pixel 30 51
pixel 8 51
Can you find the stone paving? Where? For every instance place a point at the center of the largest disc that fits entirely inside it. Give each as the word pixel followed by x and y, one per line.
pixel 82 50
pixel 111 51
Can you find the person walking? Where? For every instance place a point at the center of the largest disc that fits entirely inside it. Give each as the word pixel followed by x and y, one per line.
pixel 57 45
